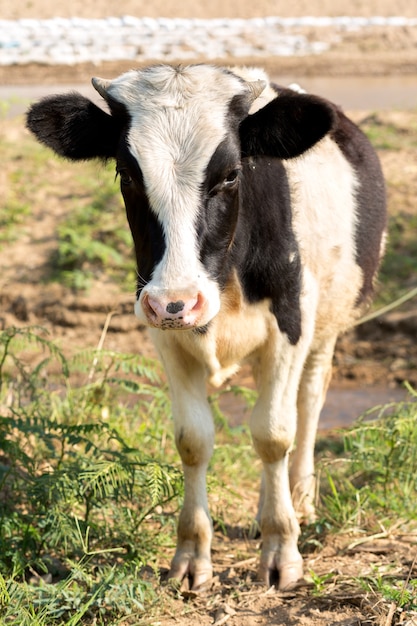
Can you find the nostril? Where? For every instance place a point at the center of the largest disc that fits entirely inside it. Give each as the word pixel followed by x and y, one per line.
pixel 175 307
pixel 150 306
pixel 197 303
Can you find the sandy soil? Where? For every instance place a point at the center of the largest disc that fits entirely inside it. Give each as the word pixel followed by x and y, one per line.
pixel 364 356
pixel 202 8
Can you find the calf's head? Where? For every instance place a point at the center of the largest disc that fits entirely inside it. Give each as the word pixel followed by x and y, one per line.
pixel 179 136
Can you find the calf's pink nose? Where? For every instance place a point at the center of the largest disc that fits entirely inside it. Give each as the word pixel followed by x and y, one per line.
pixel 179 312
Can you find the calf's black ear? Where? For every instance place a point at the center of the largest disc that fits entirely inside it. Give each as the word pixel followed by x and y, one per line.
pixel 74 127
pixel 287 126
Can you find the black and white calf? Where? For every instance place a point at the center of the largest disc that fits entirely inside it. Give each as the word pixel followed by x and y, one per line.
pixel 258 217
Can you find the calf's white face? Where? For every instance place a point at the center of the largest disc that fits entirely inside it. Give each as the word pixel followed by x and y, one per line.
pixel 176 126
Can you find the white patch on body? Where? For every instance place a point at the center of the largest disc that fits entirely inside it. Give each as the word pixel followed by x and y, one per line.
pixel 323 187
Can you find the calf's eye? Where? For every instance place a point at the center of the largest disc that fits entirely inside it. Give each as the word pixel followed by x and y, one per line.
pixel 125 177
pixel 231 179
pixel 229 182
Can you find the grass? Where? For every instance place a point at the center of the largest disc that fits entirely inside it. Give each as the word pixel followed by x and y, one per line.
pixel 88 223
pixel 378 472
pixel 90 485
pixel 94 236
pixel 386 134
pixel 12 218
pixel 77 492
pixel 17 187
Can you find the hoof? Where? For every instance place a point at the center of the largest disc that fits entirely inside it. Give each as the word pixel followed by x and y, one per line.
pixel 283 578
pixel 289 575
pixel 190 574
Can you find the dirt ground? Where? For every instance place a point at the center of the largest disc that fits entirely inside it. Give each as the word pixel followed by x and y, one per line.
pixel 202 9
pixel 380 353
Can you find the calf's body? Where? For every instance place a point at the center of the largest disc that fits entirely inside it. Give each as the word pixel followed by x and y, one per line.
pixel 258 217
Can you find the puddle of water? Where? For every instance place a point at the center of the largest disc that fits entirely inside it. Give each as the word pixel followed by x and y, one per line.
pixel 341 409
pixel 344 406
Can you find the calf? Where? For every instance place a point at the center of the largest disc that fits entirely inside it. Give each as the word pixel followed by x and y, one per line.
pixel 258 216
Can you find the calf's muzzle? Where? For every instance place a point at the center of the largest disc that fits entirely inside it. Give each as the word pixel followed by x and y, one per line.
pixel 168 310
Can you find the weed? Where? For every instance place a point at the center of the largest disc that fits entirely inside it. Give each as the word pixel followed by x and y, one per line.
pixel 319 582
pixel 94 236
pixel 386 135
pixel 12 218
pixel 401 595
pixel 78 498
pixel 378 474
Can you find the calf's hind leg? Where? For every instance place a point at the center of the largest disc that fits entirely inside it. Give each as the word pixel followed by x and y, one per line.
pixel 311 396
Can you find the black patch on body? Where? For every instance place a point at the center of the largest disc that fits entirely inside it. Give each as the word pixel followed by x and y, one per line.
pixel 249 228
pixel 370 199
pixel 218 214
pixel 271 265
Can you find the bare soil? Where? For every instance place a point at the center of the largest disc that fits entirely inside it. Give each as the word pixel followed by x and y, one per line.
pixel 383 352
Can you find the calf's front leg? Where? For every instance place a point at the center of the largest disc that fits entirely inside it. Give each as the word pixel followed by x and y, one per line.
pixel 273 426
pixel 194 436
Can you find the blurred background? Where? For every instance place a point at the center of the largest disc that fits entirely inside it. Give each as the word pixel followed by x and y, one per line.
pixel 362 55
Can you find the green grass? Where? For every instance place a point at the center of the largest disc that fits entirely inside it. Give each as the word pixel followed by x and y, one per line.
pixel 90 484
pixel 387 135
pixel 368 493
pixel 23 166
pixel 92 237
pixel 374 480
pixel 95 237
pixel 403 594
pixel 85 505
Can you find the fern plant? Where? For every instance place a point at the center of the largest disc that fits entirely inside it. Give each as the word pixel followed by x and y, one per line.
pixel 86 480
